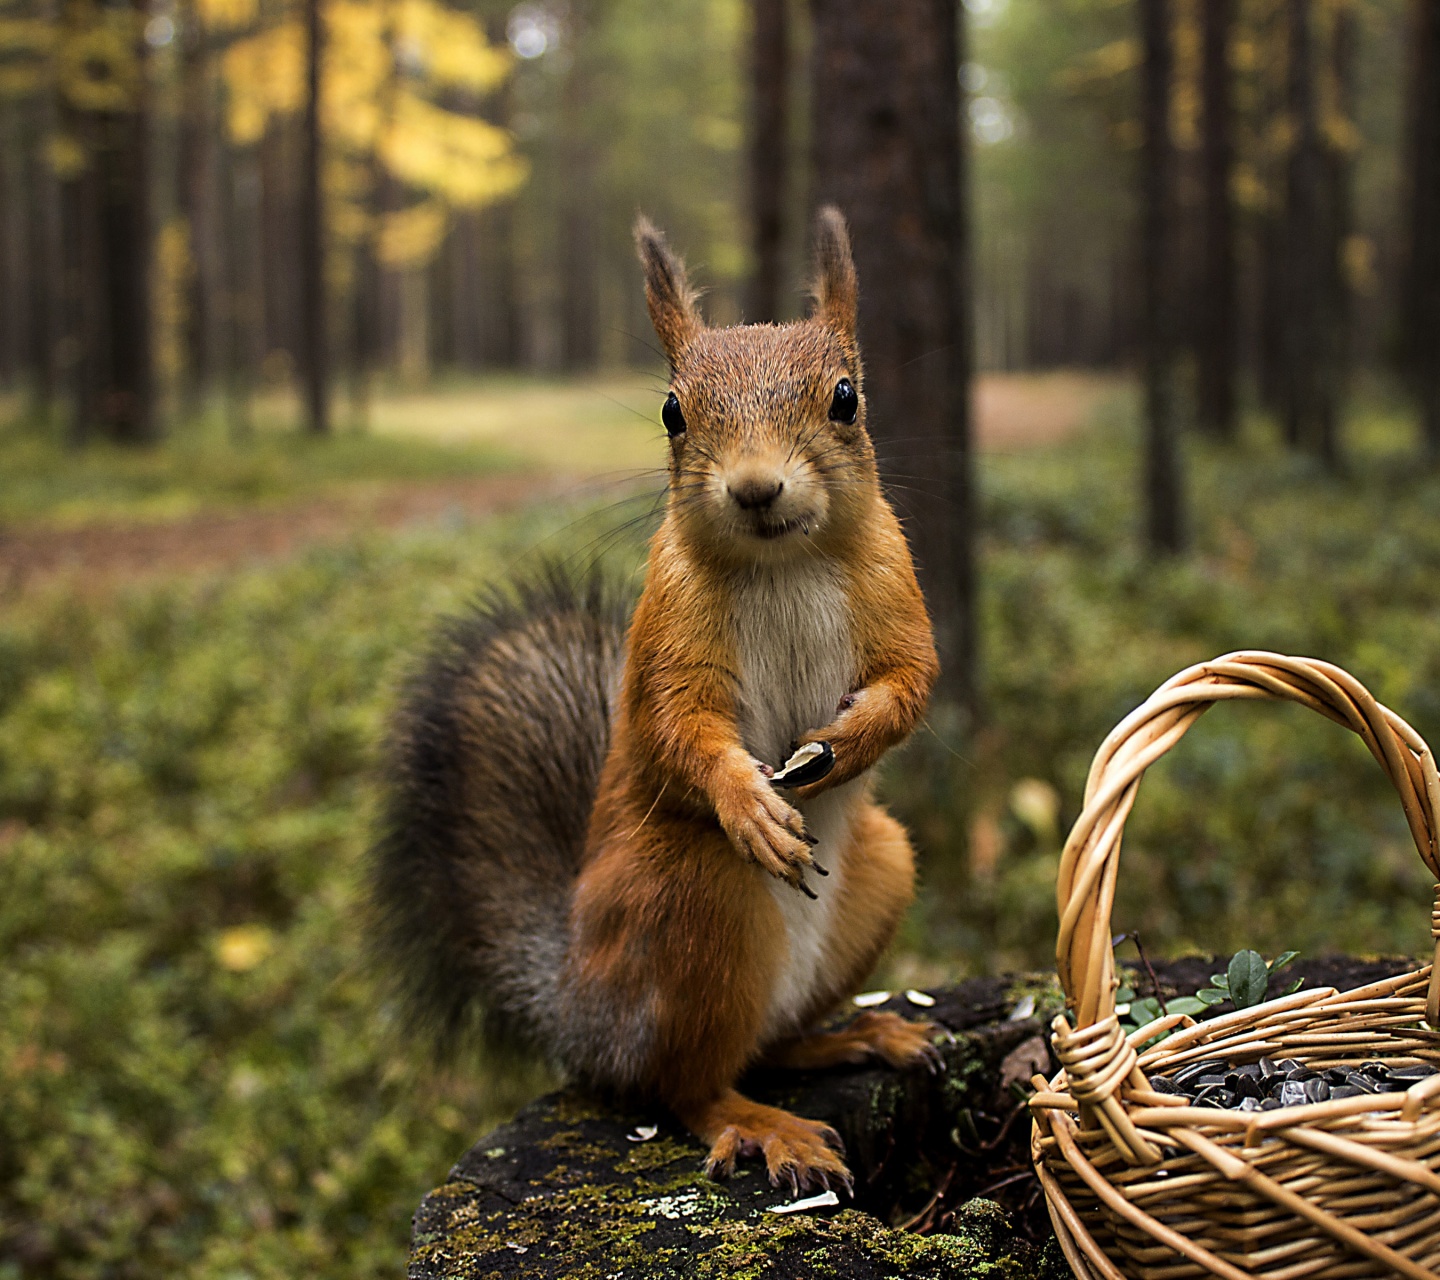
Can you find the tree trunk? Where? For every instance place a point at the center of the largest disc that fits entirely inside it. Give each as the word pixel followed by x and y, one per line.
pixel 1308 404
pixel 1217 346
pixel 1338 218
pixel 244 308
pixel 579 274
pixel 197 203
pixel 1164 499
pixel 1422 297
pixel 889 151
pixel 769 135
pixel 1268 225
pixel 312 236
pixel 45 284
pixel 108 248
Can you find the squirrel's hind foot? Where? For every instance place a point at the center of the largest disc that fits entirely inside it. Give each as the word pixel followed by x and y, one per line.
pixel 801 1154
pixel 896 1041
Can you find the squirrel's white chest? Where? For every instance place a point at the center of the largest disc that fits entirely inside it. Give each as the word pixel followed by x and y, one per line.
pixel 796 661
pixel 794 653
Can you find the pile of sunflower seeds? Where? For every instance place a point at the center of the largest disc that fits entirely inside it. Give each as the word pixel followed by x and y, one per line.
pixel 1268 1085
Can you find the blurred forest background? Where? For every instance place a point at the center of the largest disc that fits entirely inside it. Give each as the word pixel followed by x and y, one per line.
pixel 316 315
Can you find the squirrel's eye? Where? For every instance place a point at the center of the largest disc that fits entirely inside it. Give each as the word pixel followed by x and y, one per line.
pixel 845 404
pixel 671 416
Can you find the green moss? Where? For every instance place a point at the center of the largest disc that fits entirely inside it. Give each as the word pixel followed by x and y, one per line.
pixel 656 1154
pixel 1043 988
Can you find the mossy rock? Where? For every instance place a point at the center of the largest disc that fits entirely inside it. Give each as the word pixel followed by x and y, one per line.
pixel 564 1191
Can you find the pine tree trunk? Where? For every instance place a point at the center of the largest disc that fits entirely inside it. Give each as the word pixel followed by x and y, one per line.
pixel 197 203
pixel 244 308
pixel 1308 404
pixel 889 151
pixel 1217 346
pixel 1164 511
pixel 1422 299
pixel 1338 217
pixel 1268 221
pixel 769 137
pixel 115 367
pixel 12 271
pixel 45 283
pixel 579 274
pixel 315 358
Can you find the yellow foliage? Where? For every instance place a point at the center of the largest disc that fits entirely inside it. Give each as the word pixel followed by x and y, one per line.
pixel 410 236
pixel 382 59
pixel 265 76
pixel 467 161
pixel 65 155
pixel 450 48
pixel 227 15
pixel 26 44
pixel 244 947
pixel 174 268
pixel 97 64
pixel 1101 66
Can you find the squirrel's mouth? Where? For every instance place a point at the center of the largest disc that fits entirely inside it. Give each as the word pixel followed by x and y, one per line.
pixel 772 529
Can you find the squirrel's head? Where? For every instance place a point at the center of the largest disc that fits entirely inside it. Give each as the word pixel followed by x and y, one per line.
pixel 769 455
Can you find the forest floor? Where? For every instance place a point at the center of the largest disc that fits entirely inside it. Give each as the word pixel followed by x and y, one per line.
pixel 514 441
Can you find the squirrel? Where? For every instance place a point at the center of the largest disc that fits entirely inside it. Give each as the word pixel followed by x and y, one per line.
pixel 582 842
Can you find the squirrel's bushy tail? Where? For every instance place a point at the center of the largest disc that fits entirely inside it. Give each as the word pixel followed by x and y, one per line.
pixel 493 765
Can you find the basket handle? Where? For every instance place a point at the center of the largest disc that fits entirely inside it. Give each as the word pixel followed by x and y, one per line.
pixel 1089 864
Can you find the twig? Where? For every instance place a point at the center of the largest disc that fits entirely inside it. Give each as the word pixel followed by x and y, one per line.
pixel 1150 972
pixel 914 1224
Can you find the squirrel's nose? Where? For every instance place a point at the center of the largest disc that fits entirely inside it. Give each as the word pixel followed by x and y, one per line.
pixel 755 493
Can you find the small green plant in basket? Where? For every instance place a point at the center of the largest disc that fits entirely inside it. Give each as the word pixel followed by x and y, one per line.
pixel 1245 983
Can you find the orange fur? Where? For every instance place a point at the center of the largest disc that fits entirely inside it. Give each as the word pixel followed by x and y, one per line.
pixel 675 912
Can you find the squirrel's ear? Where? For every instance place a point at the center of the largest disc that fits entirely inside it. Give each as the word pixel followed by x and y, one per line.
pixel 836 288
pixel 667 290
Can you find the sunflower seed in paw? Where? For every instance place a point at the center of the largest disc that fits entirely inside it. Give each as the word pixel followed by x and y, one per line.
pixel 809 764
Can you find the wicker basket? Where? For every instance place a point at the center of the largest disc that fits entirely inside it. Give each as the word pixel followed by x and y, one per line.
pixel 1140 1183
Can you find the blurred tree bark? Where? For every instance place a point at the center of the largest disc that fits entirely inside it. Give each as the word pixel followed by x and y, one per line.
pixel 198 127
pixel 1217 345
pixel 313 309
pixel 1338 220
pixel 244 309
pixel 769 138
pixel 108 238
pixel 889 150
pixel 579 274
pixel 45 279
pixel 1164 494
pixel 1308 390
pixel 1422 280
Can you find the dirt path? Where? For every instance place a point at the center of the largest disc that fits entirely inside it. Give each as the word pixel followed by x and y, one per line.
pixel 1012 412
pixel 103 553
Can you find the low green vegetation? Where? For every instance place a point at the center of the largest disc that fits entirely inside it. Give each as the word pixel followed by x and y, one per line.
pixel 588 427
pixel 1267 826
pixel 205 468
pixel 198 1079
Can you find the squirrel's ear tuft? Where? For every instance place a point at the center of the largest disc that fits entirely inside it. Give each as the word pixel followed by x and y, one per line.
pixel 667 290
pixel 836 288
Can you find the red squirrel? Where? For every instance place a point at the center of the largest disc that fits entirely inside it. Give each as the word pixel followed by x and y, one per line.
pixel 583 845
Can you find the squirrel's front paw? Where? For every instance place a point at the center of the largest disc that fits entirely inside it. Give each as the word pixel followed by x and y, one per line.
pixel 763 827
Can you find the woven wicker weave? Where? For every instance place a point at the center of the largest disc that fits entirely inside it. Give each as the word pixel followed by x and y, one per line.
pixel 1141 1184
